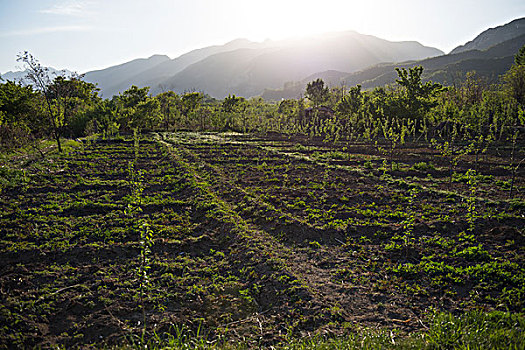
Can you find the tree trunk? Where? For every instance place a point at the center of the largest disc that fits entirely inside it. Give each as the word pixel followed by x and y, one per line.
pixel 59 145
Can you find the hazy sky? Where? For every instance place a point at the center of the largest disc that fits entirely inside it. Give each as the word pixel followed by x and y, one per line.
pixel 83 35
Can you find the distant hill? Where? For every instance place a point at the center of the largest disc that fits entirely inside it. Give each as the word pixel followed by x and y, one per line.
pixel 20 76
pixel 109 79
pixel 494 36
pixel 448 69
pixel 151 77
pixel 154 70
pixel 490 63
pixel 248 71
pixel 246 68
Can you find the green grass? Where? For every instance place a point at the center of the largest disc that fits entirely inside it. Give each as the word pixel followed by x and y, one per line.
pixel 472 330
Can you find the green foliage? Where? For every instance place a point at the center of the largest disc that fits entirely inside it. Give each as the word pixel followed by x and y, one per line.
pixel 102 118
pixel 143 228
pixel 12 177
pixel 476 330
pixel 470 330
pixel 170 107
pixel 20 113
pixel 519 59
pixel 514 81
pixel 419 96
pixel 350 104
pixel 389 116
pixel 190 102
pixel 235 108
pixel 63 97
pixel 317 92
pixel 137 109
pixel 424 166
pixel 471 201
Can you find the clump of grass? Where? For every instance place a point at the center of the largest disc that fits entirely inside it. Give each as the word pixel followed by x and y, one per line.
pixel 476 330
pixel 423 166
pixel 471 330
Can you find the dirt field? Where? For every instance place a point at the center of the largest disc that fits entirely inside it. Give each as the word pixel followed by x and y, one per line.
pixel 255 238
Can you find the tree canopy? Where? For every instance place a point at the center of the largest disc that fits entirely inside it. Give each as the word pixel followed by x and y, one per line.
pixel 317 92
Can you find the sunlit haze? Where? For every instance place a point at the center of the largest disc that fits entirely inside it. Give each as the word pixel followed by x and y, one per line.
pixel 84 35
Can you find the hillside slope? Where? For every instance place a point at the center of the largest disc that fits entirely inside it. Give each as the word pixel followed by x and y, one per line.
pixel 153 75
pixel 494 36
pixel 108 78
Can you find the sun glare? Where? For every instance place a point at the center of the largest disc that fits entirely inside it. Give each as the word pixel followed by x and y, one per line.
pixel 288 19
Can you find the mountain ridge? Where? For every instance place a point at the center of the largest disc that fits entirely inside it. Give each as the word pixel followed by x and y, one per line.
pixel 152 75
pixel 447 69
pixel 270 64
pixel 493 36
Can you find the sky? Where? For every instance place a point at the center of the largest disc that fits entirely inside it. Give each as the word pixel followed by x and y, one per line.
pixel 84 35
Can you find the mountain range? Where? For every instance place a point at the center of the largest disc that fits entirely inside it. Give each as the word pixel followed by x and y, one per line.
pixel 246 68
pixel 490 54
pixel 281 69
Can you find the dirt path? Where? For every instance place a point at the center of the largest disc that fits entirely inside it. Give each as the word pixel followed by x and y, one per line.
pixel 354 302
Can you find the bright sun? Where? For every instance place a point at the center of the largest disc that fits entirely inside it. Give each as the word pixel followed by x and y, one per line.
pixel 283 19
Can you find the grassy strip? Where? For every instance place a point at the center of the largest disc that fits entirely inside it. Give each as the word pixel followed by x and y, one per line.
pixel 472 330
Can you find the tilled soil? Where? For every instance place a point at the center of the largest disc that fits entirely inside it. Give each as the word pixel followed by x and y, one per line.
pixel 254 239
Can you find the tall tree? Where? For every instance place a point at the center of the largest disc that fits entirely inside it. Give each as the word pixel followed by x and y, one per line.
pixel 169 107
pixel 69 97
pixel 317 92
pixel 62 96
pixel 138 110
pixel 349 106
pixel 190 102
pixel 233 106
pixel 418 97
pixel 515 78
pixel 351 102
pixel 39 76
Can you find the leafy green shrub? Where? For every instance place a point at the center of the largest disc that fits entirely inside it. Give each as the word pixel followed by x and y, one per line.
pixel 300 147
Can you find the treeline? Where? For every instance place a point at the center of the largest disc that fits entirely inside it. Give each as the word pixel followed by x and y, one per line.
pixel 68 107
